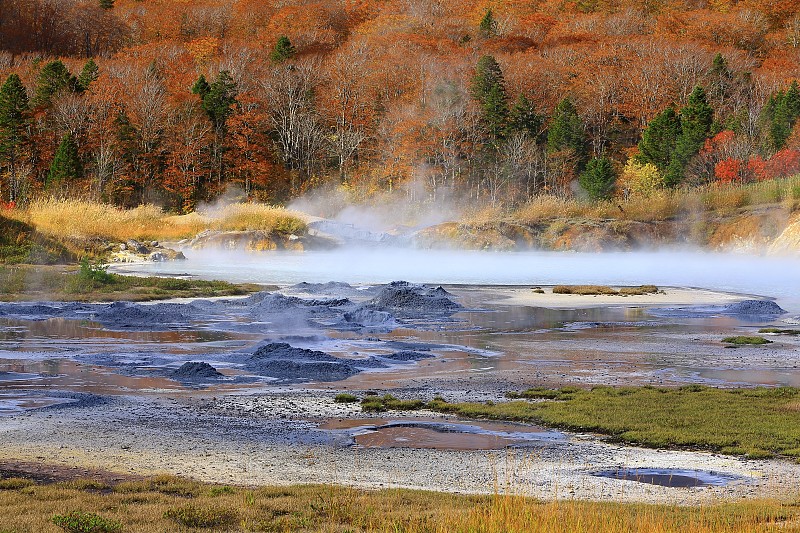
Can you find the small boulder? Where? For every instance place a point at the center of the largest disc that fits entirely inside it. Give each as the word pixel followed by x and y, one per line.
pixel 137 247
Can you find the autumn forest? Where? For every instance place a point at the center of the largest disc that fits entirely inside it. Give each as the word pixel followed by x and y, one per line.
pixel 173 101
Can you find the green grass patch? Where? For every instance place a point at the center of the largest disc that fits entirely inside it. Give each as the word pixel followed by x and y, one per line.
pixel 541 393
pixel 757 423
pixel 780 331
pixel 91 282
pixel 761 422
pixel 345 397
pixel 742 340
pixel 80 522
pixel 388 402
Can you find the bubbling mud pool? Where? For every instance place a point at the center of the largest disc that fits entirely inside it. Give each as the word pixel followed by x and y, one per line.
pixel 670 477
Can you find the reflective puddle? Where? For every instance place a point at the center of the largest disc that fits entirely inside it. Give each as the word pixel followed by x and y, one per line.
pixel 670 477
pixel 441 434
pixel 12 403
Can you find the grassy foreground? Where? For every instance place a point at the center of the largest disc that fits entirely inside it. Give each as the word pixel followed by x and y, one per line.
pixel 92 284
pixel 758 423
pixel 173 504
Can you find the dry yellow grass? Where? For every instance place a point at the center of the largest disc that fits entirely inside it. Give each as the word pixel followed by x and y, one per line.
pixel 666 204
pixel 143 507
pixel 241 217
pixel 544 208
pixel 86 220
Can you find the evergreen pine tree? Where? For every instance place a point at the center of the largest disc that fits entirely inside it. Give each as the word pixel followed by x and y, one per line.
pixel 488 25
pixel 201 87
pixel 13 106
pixel 793 101
pixel 659 139
pixel 779 116
pixel 598 178
pixel 488 88
pixel 283 50
pixel 106 4
pixel 721 77
pixel 218 97
pixel 696 119
pixel 13 109
pixel 89 74
pixel 566 131
pixel 66 164
pixel 523 118
pixel 53 77
pixel 780 126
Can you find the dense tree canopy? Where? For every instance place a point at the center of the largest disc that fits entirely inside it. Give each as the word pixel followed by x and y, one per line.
pixel 171 102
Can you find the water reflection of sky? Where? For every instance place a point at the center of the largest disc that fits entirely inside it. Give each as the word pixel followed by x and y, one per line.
pixel 768 276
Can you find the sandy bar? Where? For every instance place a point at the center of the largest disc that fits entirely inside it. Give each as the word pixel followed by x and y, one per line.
pixel 667 296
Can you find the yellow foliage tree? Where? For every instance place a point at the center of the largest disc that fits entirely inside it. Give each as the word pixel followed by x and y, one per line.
pixel 639 180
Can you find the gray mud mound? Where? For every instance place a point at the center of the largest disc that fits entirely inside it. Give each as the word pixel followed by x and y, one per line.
pixel 407 356
pixel 332 289
pixel 286 363
pixel 303 371
pixel 754 307
pixel 746 309
pixel 282 350
pixel 123 315
pixel 409 298
pixel 365 317
pixel 267 301
pixel 196 371
pixel 405 346
pixel 275 302
pixel 43 310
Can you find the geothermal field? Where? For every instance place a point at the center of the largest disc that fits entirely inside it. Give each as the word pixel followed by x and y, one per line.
pixel 265 388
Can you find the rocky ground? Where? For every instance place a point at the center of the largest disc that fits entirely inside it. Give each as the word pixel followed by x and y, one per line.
pixel 274 439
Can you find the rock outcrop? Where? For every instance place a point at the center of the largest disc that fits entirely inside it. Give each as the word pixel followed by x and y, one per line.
pixel 133 251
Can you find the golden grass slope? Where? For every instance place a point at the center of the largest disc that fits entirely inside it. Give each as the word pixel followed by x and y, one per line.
pixel 173 504
pixel 76 219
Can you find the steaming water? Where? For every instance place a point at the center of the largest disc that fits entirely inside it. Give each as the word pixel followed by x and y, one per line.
pixel 765 276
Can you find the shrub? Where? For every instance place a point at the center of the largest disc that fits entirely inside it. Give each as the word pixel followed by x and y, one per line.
pixel 80 522
pixel 94 271
pixel 202 517
pixel 639 180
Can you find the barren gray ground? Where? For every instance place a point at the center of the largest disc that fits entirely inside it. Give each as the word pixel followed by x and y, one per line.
pixel 123 400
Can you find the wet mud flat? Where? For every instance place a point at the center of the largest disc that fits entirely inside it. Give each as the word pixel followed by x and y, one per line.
pixel 241 390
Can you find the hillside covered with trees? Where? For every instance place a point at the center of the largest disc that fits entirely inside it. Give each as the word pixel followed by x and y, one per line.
pixel 171 101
